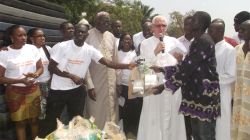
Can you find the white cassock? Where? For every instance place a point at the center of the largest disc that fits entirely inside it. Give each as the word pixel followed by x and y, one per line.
pixel 160 118
pixel 117 40
pixel 226 68
pixel 103 80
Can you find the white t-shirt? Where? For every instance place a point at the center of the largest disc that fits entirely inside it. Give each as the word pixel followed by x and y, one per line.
pixel 74 60
pixel 54 48
pixel 185 42
pixel 125 58
pixel 137 39
pixel 46 75
pixel 19 61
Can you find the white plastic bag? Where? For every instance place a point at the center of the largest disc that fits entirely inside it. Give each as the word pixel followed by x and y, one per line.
pixel 141 80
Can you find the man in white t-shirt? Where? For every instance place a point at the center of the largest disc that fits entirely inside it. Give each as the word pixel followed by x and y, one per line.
pixel 69 66
pixel 187 38
pixel 67 31
pixel 144 34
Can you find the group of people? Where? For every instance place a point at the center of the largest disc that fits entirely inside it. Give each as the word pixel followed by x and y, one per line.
pixel 210 76
pixel 88 73
pixel 34 71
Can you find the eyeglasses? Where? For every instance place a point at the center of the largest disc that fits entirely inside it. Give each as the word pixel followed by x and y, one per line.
pixel 160 25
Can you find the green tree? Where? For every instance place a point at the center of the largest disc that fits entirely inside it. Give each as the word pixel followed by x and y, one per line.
pixel 129 12
pixel 175 27
pixel 75 8
pixel 147 11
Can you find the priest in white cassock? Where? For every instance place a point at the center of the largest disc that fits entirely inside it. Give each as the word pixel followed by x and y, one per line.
pixel 160 118
pixel 102 99
pixel 226 68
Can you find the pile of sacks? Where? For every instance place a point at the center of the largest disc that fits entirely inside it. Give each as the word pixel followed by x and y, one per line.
pixel 85 129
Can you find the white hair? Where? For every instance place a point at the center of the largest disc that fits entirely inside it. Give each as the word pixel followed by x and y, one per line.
pixel 102 13
pixel 159 17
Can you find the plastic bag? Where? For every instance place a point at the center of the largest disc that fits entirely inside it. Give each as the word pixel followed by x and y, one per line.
pixel 163 60
pixel 113 132
pixel 78 129
pixel 141 81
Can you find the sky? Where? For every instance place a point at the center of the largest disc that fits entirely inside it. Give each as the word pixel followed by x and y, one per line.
pixel 224 9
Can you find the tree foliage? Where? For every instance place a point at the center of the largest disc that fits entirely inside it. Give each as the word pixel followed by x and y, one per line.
pixel 175 27
pixel 130 13
pixel 147 11
pixel 75 8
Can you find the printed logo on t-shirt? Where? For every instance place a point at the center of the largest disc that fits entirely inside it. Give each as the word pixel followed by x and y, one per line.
pixel 45 62
pixel 75 61
pixel 26 63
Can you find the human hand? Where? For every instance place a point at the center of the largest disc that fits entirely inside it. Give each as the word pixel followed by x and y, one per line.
pixel 157 69
pixel 76 79
pixel 158 89
pixel 160 47
pixel 31 75
pixel 132 65
pixel 118 90
pixel 91 94
pixel 30 78
pixel 28 81
pixel 178 56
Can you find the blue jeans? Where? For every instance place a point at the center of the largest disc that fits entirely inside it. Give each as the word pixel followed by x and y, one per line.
pixel 203 130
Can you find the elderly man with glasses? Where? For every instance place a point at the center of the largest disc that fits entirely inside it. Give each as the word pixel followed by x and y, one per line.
pixel 160 119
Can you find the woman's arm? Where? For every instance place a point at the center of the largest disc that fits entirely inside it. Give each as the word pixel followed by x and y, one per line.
pixel 39 68
pixel 5 80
